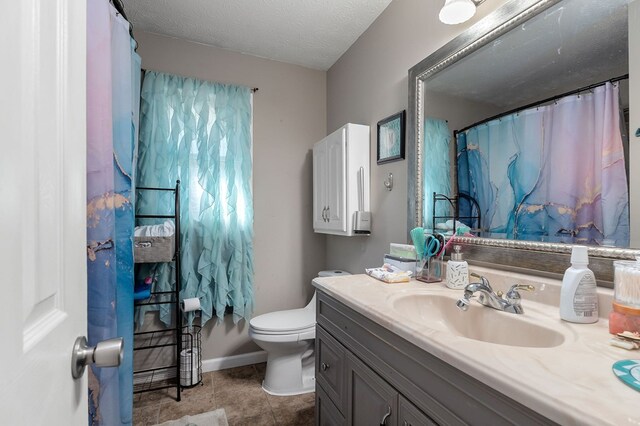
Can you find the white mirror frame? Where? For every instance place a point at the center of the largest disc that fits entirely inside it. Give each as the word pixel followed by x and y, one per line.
pixel 522 256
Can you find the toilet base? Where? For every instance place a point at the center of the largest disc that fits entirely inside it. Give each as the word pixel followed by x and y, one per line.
pixel 308 387
pixel 290 375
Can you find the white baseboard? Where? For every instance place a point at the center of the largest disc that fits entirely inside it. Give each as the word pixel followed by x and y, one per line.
pixel 216 364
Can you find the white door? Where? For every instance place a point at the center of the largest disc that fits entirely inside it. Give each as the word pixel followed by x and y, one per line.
pixel 42 211
pixel 320 206
pixel 336 180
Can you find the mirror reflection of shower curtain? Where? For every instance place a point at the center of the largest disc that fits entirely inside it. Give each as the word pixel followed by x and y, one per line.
pixel 437 167
pixel 553 173
pixel 113 96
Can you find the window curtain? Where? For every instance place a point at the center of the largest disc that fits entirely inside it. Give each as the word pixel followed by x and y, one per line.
pixel 437 167
pixel 200 133
pixel 552 173
pixel 113 93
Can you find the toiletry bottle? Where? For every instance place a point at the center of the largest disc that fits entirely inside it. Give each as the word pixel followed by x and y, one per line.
pixel 578 296
pixel 457 270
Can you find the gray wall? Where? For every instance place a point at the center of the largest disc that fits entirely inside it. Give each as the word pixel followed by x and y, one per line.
pixel 289 116
pixel 634 119
pixel 368 83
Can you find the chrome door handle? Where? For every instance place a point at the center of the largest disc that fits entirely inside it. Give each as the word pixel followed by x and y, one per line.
pixel 324 366
pixel 108 353
pixel 383 422
pixel 328 214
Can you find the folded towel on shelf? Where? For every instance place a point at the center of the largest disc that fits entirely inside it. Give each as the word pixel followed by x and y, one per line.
pixel 165 229
pixel 447 226
pixel 389 274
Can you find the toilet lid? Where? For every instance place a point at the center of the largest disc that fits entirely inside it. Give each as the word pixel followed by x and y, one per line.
pixel 284 321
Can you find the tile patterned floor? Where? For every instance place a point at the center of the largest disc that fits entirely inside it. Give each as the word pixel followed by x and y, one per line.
pixel 237 390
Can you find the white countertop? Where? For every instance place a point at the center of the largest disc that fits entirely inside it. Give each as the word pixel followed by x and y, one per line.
pixel 572 384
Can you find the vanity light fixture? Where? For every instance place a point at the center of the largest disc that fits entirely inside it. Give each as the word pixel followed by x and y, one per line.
pixel 458 11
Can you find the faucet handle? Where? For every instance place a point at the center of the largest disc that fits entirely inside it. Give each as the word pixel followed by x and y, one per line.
pixel 484 280
pixel 513 295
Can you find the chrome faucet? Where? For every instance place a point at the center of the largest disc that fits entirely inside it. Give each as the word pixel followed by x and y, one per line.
pixel 486 296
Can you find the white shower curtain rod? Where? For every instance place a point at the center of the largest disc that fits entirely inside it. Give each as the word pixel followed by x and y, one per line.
pixel 544 101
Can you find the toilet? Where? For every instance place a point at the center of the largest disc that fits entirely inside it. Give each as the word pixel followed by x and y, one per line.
pixel 288 338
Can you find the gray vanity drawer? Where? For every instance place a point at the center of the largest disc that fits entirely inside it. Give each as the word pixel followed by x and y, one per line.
pixel 330 361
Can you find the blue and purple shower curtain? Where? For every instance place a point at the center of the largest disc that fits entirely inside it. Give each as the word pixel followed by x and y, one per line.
pixel 552 173
pixel 113 88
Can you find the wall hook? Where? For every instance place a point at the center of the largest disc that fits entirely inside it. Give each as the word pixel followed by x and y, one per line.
pixel 389 182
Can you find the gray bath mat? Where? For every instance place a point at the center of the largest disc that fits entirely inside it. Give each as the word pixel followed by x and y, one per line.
pixel 212 418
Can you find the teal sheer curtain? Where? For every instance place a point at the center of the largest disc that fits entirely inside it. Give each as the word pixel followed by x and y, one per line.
pixel 200 132
pixel 437 167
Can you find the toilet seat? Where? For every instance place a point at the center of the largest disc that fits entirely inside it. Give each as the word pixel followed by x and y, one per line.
pixel 292 321
pixel 299 336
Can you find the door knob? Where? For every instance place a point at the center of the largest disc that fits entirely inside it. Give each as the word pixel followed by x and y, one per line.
pixel 107 353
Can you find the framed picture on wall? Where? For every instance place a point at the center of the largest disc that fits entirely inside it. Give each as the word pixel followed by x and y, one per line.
pixel 391 138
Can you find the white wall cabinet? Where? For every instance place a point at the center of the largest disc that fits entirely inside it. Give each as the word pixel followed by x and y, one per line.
pixel 336 163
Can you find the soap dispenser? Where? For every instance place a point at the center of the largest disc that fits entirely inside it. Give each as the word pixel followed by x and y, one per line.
pixel 457 270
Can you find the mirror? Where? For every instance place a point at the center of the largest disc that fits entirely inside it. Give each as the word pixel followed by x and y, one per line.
pixel 499 118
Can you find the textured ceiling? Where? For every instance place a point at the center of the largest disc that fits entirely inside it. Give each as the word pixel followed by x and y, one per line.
pixel 313 34
pixel 573 44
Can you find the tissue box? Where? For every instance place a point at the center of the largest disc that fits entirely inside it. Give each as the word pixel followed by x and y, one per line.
pixel 406 251
pixel 400 262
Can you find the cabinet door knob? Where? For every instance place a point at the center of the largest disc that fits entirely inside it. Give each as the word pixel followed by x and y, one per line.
pixel 324 366
pixel 383 422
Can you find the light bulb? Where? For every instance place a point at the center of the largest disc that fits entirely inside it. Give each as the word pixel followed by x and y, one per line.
pixel 457 11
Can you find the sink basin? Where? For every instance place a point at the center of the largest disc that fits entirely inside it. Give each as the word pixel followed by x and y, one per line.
pixel 439 312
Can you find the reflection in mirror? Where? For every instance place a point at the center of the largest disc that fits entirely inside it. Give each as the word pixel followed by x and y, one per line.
pixel 527 137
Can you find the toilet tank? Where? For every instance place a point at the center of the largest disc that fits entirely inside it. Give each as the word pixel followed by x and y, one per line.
pixel 332 273
pixel 329 273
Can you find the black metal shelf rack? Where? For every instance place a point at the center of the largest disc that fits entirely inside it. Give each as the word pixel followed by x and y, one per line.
pixel 454 207
pixel 166 376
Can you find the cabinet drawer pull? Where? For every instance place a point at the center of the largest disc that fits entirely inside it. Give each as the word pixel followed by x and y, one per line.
pixel 324 366
pixel 383 422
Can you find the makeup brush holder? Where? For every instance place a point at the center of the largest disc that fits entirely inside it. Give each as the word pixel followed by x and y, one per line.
pixel 430 270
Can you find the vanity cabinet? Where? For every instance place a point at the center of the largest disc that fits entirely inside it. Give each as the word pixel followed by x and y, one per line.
pixel 370 400
pixel 410 415
pixel 337 160
pixel 327 414
pixel 366 374
pixel 357 391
